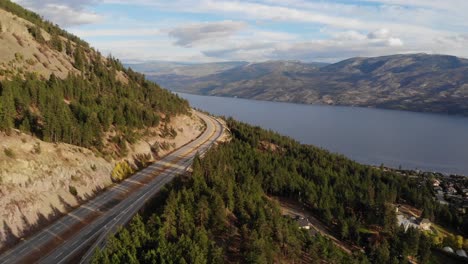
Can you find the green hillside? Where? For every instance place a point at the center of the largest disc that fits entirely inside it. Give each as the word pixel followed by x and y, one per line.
pixel 98 95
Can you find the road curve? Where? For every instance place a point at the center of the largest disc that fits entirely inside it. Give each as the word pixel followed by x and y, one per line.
pixel 88 225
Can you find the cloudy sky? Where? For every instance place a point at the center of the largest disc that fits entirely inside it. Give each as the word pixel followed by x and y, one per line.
pixel 258 30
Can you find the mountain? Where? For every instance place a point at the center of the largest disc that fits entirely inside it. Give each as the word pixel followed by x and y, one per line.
pixel 162 68
pixel 415 82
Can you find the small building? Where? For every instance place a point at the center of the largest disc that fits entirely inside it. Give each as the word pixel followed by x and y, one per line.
pixel 465 192
pixel 448 250
pixel 397 208
pixel 435 183
pixel 443 202
pixel 303 223
pixel 406 222
pixel 461 253
pixel 451 190
pixel 425 224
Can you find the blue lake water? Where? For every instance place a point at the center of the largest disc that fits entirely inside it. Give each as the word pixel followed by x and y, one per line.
pixel 428 142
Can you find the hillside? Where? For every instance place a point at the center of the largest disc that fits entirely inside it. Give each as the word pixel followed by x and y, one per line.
pixel 59 89
pixel 67 116
pixel 415 82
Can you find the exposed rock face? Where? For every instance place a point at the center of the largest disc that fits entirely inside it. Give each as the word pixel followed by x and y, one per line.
pixel 36 176
pixel 19 52
pixel 416 82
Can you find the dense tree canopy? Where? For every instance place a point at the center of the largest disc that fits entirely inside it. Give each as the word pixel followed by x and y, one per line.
pixel 78 110
pixel 222 213
pixel 99 95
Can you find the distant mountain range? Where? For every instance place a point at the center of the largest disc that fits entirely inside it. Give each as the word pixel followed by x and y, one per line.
pixel 415 82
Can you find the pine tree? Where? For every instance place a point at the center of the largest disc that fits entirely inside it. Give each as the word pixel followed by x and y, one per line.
pixel 25 125
pixel 7 111
pixel 37 34
pixel 68 48
pixel 56 42
pixel 79 58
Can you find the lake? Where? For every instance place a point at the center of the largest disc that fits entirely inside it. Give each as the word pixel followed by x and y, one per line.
pixel 429 142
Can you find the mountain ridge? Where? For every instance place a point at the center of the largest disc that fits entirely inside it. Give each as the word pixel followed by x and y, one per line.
pixel 415 82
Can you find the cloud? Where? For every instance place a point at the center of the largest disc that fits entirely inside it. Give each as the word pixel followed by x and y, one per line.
pixel 379 34
pixel 66 13
pixel 384 37
pixel 246 10
pixel 130 32
pixel 267 29
pixel 188 35
pixel 341 44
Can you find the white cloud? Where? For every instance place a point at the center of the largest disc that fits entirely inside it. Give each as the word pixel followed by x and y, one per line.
pixel 325 30
pixel 395 42
pixel 379 34
pixel 341 45
pixel 65 13
pixel 130 32
pixel 189 34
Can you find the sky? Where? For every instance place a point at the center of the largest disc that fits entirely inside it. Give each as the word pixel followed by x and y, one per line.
pixel 261 30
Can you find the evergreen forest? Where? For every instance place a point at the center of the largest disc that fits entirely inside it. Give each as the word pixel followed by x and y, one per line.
pixel 223 212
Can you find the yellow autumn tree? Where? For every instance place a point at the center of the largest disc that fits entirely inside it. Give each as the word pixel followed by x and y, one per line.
pixel 459 241
pixel 121 171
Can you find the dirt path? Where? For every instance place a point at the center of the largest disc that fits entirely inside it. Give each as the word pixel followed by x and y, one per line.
pixel 294 209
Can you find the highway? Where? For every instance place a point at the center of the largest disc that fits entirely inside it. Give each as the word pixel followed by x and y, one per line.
pixel 85 228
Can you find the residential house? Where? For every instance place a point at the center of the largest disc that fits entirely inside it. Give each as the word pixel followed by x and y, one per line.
pixel 425 224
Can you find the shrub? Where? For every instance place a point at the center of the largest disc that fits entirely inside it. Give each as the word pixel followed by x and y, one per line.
pixel 19 56
pixel 155 148
pixel 75 178
pixel 72 190
pixel 37 148
pixel 31 61
pixel 165 145
pixel 9 152
pixel 35 31
pixel 56 43
pixel 142 160
pixel 94 167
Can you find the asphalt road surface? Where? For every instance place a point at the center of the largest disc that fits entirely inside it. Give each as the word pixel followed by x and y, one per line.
pixel 86 227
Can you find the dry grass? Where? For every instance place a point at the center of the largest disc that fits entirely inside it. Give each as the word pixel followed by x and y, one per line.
pixel 43 50
pixel 19 40
pixel 38 58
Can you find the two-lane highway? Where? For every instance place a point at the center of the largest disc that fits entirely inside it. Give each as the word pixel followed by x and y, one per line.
pixel 86 227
